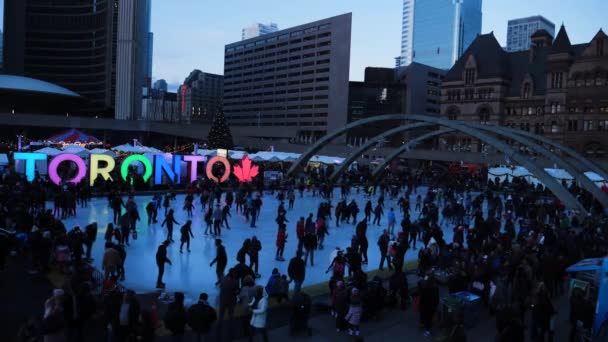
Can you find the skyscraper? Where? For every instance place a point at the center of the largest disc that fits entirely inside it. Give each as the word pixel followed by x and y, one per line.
pixel 436 32
pixel 258 29
pixel 148 45
pixel 520 30
pixel 130 63
pixel 407 34
pixel 91 47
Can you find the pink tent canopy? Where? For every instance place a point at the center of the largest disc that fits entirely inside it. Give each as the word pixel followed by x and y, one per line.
pixel 73 135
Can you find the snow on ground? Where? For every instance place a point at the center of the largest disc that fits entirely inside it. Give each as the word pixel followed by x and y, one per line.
pixel 190 272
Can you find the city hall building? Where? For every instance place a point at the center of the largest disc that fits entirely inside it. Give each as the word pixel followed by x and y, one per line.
pixel 555 89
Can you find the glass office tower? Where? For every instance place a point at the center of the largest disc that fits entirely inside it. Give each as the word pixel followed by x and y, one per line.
pixel 443 29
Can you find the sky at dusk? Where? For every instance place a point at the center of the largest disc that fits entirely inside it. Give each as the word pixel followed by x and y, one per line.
pixel 191 34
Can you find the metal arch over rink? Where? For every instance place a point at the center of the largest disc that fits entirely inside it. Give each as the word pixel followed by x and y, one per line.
pixel 474 131
pixel 358 152
pixel 575 170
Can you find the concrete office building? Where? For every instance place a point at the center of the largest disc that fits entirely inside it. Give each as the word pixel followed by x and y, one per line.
pixel 296 77
pixel 414 89
pixel 257 30
pixel 407 34
pixel 520 30
pixel 161 106
pixel 200 97
pixel 443 29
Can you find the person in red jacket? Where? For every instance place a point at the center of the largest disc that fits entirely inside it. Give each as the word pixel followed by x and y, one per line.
pixel 281 240
pixel 300 232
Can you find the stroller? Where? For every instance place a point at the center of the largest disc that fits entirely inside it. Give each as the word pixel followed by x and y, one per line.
pixel 300 313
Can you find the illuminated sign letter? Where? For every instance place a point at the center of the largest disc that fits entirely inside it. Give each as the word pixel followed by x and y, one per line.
pixel 161 165
pixel 124 167
pixel 80 166
pixel 95 170
pixel 30 162
pixel 209 169
pixel 193 160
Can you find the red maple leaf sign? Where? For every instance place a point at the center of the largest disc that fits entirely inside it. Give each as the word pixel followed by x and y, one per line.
pixel 246 171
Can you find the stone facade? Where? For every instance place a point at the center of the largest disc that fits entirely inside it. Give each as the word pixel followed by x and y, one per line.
pixel 555 89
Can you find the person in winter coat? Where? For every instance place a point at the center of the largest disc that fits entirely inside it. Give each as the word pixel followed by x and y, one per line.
pixel 186 232
pixel 217 220
pixel 201 317
pixel 383 242
pixel 221 259
pixel 353 316
pixel 111 260
pixel 378 213
pixel 339 303
pixel 368 211
pixel 161 259
pixel 297 271
pixel 300 233
pixel 310 244
pixel 281 240
pixel 392 220
pixel 109 233
pixel 429 299
pixel 169 221
pixel 259 306
pixel 90 232
pixel 542 311
pixel 254 255
pixel 176 318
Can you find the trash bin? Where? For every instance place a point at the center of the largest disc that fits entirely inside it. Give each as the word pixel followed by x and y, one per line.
pixel 471 307
pixel 451 308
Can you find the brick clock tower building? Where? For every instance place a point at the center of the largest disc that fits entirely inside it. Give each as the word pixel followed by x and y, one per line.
pixel 555 89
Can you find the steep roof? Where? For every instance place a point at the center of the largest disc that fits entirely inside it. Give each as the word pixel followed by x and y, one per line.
pixel 489 55
pixel 561 43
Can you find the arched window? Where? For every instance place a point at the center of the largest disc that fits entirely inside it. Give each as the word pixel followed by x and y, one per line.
pixel 453 113
pixel 527 90
pixel 484 115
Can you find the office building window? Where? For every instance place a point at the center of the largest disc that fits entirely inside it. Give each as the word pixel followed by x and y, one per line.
pixel 527 90
pixel 587 125
pixel 572 125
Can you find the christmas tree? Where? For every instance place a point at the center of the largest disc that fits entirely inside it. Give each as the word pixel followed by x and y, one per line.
pixel 219 134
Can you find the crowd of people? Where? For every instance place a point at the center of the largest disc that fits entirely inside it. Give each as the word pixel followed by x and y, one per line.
pixel 511 243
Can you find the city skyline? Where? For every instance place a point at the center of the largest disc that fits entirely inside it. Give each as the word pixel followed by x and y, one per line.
pixel 205 30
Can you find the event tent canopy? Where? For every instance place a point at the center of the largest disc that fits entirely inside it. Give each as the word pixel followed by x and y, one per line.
pixel 74 136
pixel 49 151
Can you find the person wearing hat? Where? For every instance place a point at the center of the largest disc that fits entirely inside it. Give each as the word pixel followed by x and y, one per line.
pixel 161 259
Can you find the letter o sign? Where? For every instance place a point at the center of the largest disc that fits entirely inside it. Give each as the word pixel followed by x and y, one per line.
pixel 209 169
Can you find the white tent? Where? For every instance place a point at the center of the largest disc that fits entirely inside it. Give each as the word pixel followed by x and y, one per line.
pixel 3 159
pixel 103 151
pixel 77 150
pixel 594 176
pixel 559 174
pixel 126 148
pixel 206 153
pixel 49 151
pixel 326 160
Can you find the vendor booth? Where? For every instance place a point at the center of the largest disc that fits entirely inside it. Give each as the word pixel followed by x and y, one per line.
pixel 591 276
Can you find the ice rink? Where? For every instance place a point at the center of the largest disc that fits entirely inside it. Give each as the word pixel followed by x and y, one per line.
pixel 190 272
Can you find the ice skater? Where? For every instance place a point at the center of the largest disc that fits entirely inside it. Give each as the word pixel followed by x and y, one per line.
pixel 392 220
pixel 186 232
pixel 220 261
pixel 169 220
pixel 161 260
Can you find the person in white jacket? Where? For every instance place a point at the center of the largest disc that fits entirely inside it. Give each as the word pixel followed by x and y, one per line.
pixel 258 306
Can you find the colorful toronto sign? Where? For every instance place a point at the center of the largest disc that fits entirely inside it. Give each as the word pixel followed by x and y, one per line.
pixel 102 165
